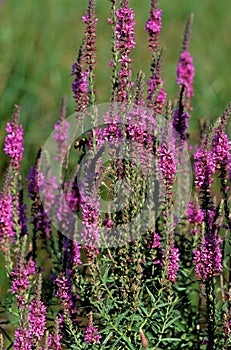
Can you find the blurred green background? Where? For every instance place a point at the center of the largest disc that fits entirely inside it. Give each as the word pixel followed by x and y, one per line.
pixel 39 40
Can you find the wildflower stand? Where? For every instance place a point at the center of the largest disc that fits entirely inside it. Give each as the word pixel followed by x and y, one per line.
pixel 111 252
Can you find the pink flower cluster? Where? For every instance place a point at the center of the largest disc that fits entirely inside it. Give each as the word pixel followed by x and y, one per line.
pixel 221 149
pixel 14 143
pixel 92 335
pixel 204 168
pixel 80 85
pixel 195 215
pixel 173 258
pixel 156 85
pixel 167 165
pixel 125 40
pixel 37 318
pixel 22 275
pixel 208 257
pixel 185 73
pixel 153 26
pixel 6 218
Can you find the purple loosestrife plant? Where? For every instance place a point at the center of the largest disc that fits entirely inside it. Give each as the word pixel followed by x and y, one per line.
pixel 91 333
pixel 6 220
pixel 14 140
pixel 185 69
pixel 156 92
pixel 124 43
pixel 112 263
pixel 153 26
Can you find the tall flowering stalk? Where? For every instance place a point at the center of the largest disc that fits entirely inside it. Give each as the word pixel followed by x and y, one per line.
pixel 91 332
pixel 156 92
pixel 207 256
pixel 37 314
pixel 185 69
pixel 153 26
pixel 80 85
pixel 13 147
pixel 55 338
pixel 125 42
pixel 83 68
pixel 168 168
pixel 185 79
pixel 6 220
pixel 136 288
pixel 14 140
pixel 90 45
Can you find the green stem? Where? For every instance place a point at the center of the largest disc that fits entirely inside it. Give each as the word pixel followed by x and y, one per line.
pixel 211 319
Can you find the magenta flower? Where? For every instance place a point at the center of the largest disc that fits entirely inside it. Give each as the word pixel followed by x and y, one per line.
pixel 156 88
pixel 76 254
pixel 208 257
pixel 6 219
pixel 153 26
pixel 221 149
pixel 90 35
pixel 195 215
pixel 80 85
pixel 37 318
pixel 204 168
pixel 172 257
pixel 155 241
pixel 22 275
pixel 90 230
pixel 64 293
pixel 125 40
pixel 54 339
pixel 14 140
pixel 167 165
pixel 185 73
pixel 92 335
pixel 22 340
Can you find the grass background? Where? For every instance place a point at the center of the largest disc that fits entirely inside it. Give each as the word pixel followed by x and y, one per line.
pixel 39 40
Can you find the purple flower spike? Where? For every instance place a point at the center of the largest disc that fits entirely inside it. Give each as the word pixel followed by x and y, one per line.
pixel 22 275
pixel 204 168
pixel 22 339
pixel 185 73
pixel 6 219
pixel 167 166
pixel 37 318
pixel 221 149
pixel 195 215
pixel 90 34
pixel 91 333
pixel 153 26
pixel 173 258
pixel 80 85
pixel 125 40
pixel 14 140
pixel 54 339
pixel 208 257
pixel 64 293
